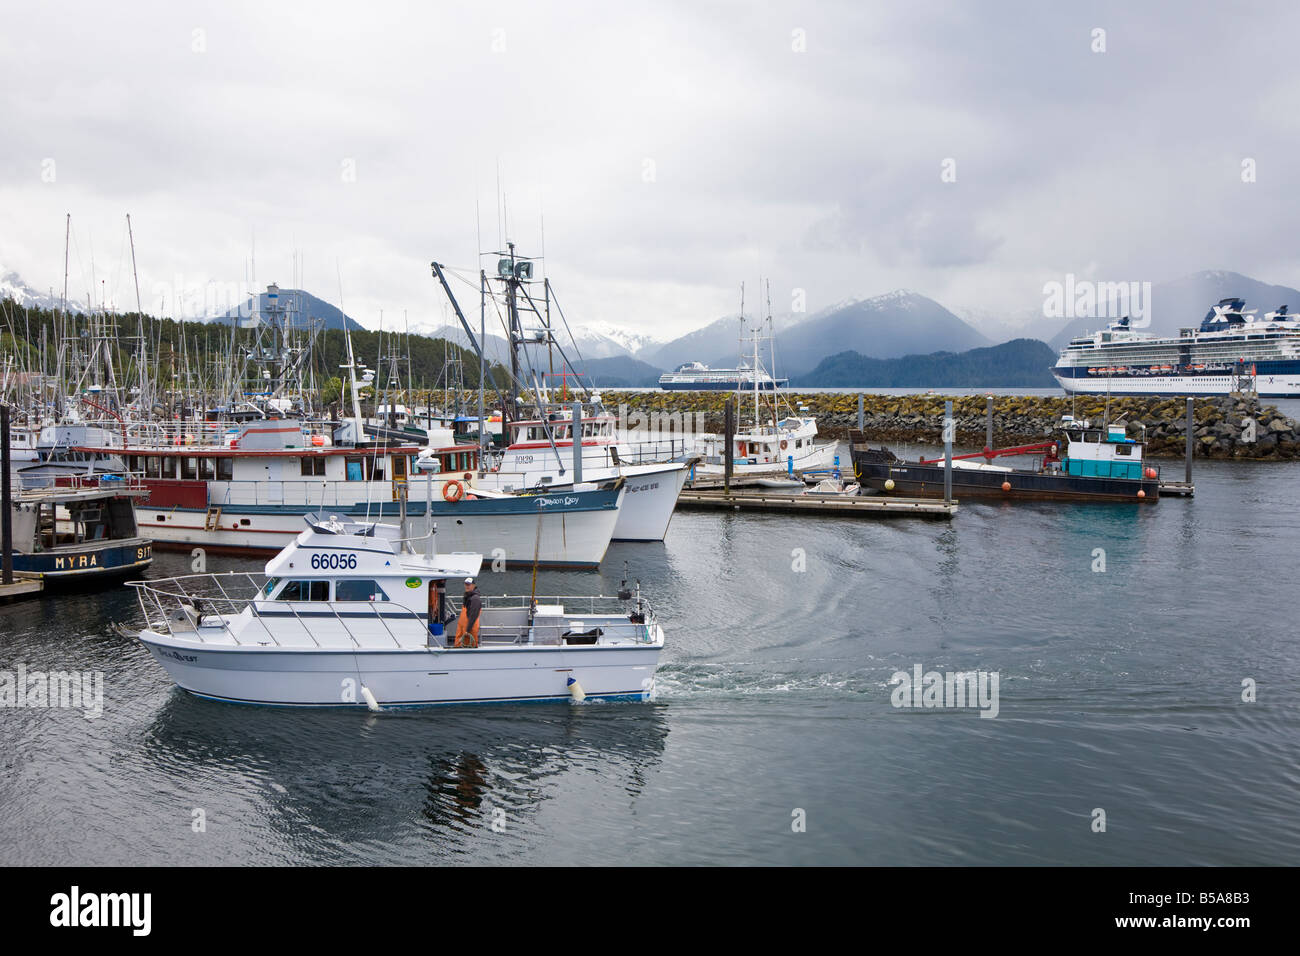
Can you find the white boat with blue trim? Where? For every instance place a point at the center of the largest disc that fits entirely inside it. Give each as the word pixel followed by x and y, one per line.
pixel 352 615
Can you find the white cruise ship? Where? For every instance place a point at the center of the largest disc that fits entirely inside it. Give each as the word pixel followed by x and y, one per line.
pixel 696 376
pixel 1232 350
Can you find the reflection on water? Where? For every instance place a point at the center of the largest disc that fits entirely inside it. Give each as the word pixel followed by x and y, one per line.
pixel 324 781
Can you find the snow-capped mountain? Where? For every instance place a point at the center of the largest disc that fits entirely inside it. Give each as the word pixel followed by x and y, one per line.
pixel 602 340
pixel 596 341
pixel 13 287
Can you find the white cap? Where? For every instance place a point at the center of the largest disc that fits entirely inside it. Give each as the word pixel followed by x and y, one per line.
pixel 469 580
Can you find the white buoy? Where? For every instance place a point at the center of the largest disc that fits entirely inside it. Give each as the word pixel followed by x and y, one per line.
pixel 576 691
pixel 889 484
pixel 369 698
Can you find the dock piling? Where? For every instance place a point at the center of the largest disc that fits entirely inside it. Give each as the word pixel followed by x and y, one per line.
pixel 1191 430
pixel 6 516
pixel 988 422
pixel 575 432
pixel 947 451
pixel 861 412
pixel 728 436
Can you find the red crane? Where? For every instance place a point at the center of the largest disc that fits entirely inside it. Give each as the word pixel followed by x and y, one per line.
pixel 988 454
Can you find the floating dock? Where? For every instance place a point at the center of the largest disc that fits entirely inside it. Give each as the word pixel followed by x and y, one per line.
pixel 22 587
pixel 1177 489
pixel 863 506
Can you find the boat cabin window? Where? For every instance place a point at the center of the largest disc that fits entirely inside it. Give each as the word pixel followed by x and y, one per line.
pixel 1123 449
pixel 189 469
pixel 305 591
pixel 205 469
pixel 364 469
pixel 361 590
pixel 314 465
pixel 225 469
pixel 270 586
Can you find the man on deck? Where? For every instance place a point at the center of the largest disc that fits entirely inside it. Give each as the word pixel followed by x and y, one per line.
pixel 470 609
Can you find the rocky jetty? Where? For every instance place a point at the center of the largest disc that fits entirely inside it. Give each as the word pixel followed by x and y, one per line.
pixel 1227 427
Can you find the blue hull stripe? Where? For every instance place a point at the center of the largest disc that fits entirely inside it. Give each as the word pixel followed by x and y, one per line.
pixel 638 695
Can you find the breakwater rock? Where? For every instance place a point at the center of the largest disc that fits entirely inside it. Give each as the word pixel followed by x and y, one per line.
pixel 1226 427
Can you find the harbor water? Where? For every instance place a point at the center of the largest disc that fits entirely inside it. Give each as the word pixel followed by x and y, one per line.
pixel 1123 638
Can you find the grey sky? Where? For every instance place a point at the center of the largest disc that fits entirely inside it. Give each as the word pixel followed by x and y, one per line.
pixel 819 169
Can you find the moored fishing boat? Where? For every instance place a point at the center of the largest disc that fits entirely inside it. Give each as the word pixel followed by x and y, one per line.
pixel 353 615
pixel 541 455
pixel 1099 465
pixel 250 493
pixel 78 533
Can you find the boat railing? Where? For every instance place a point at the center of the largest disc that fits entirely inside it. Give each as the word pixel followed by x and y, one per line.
pixel 187 603
pixel 144 435
pixel 653 451
pixel 181 603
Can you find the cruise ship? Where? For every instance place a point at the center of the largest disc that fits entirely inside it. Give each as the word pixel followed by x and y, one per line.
pixel 696 376
pixel 1232 350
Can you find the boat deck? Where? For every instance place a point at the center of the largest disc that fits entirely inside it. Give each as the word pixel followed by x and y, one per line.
pixel 210 618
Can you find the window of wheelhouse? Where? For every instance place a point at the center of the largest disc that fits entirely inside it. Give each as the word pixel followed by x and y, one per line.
pixel 358 590
pixel 304 591
pixel 364 468
pixel 189 468
pixel 225 469
pixel 312 465
pixel 206 469
pixel 153 467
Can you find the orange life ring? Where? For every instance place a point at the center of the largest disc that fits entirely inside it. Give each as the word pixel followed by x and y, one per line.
pixel 453 491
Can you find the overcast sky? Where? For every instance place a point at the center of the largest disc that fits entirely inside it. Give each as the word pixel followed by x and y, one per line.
pixel 673 150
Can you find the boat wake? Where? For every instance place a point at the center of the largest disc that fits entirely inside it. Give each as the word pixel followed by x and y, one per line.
pixel 755 679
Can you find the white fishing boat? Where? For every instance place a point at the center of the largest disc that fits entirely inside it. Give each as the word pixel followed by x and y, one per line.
pixel 352 615
pixel 779 439
pixel 248 492
pixel 541 454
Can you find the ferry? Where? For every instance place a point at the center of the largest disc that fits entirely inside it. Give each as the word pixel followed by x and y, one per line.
pixel 353 615
pixel 1232 350
pixel 1098 465
pixel 696 376
pixel 79 533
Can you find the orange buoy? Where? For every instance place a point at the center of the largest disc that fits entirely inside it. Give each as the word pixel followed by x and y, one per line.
pixel 1006 486
pixel 1151 473
pixel 1141 493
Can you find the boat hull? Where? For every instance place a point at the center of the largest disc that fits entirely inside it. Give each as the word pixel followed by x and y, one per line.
pixel 403 677
pixel 648 506
pixel 927 481
pixel 86 562
pixel 731 386
pixel 819 457
pixel 1268 385
pixel 558 531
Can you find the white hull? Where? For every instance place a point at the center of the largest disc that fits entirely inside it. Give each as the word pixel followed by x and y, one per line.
pixel 1272 386
pixel 648 505
pixel 570 539
pixel 403 677
pixel 818 458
